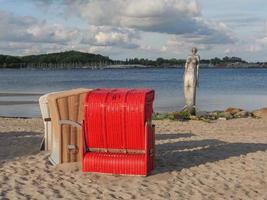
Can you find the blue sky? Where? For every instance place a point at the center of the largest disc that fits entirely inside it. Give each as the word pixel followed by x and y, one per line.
pixel 135 28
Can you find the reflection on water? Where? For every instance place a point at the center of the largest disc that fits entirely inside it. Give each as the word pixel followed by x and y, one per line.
pixel 219 88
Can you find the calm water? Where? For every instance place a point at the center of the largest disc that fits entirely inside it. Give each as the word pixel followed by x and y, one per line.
pixel 219 88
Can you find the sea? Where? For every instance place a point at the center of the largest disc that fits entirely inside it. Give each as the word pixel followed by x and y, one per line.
pixel 219 88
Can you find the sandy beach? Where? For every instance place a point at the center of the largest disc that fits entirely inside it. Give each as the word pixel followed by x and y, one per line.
pixel 195 160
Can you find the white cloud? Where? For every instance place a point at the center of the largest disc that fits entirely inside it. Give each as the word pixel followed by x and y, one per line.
pixel 103 38
pixel 164 16
pixel 26 48
pixel 118 25
pixel 183 45
pixel 262 40
pixel 111 36
pixel 51 34
pixel 255 48
pixel 29 29
pixel 230 51
pixel 157 15
pixel 25 32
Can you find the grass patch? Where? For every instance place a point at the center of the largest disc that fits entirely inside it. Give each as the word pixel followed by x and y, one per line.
pixel 179 115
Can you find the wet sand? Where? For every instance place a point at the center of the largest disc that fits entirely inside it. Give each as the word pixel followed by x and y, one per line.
pixel 195 160
pixel 6 94
pixel 12 103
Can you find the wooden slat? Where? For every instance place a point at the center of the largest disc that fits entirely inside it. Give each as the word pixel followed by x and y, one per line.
pixel 80 120
pixel 65 130
pixel 73 104
pixel 56 130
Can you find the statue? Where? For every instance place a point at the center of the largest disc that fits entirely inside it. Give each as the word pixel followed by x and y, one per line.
pixel 191 81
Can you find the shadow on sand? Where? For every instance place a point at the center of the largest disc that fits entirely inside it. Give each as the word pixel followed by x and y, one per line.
pixel 185 154
pixel 15 144
pixel 167 136
pixel 172 156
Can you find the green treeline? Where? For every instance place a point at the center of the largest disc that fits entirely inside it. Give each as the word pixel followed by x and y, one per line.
pixel 174 61
pixel 157 62
pixel 72 59
pixel 225 60
pixel 59 60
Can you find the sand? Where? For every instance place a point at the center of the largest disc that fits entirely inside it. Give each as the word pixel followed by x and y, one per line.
pixel 195 160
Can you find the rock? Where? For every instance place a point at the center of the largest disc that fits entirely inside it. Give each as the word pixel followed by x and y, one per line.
pixel 202 114
pixel 241 114
pixel 233 111
pixel 213 115
pixel 261 113
pixel 226 115
pixel 192 117
pixel 222 118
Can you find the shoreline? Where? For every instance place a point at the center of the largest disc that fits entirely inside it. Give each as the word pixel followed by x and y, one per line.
pixel 13 103
pixel 18 102
pixel 15 94
pixel 228 114
pixel 136 67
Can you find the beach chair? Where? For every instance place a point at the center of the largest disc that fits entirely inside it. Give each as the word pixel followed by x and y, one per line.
pixel 66 111
pixel 119 137
pixel 47 140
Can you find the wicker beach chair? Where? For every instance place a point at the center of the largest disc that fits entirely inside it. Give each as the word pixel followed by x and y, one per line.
pixel 63 139
pixel 118 135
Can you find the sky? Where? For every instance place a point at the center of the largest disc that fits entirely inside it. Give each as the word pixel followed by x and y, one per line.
pixel 124 29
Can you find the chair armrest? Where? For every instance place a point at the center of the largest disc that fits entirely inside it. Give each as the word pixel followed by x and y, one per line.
pixel 69 122
pixel 71 147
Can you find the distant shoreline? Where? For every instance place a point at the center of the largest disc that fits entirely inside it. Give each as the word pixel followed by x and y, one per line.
pixel 76 59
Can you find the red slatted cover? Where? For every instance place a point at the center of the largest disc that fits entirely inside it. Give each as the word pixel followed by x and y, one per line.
pixel 115 163
pixel 115 118
pixel 94 123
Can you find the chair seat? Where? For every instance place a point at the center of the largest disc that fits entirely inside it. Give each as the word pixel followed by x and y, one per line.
pixel 115 163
